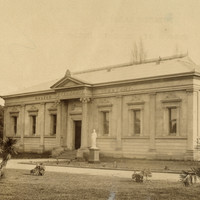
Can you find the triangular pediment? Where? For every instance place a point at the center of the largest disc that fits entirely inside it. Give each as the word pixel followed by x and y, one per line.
pixel 67 82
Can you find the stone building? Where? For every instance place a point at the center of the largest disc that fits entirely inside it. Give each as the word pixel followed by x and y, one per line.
pixel 147 110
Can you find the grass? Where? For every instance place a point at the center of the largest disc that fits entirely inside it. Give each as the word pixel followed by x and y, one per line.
pixel 31 155
pixel 131 164
pixel 20 185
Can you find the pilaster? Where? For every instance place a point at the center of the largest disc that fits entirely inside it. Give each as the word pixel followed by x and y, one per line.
pixel 42 126
pixel 22 127
pixel 59 123
pixel 152 121
pixel 192 108
pixel 119 123
pixel 84 128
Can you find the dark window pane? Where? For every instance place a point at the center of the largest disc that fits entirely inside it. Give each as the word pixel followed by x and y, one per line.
pixel 33 124
pixel 54 124
pixel 106 123
pixel 15 125
pixel 172 120
pixel 137 122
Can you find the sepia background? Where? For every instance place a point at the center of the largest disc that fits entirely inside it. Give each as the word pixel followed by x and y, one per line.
pixel 40 39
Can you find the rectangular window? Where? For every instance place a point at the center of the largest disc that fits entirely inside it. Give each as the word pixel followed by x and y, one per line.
pixel 33 118
pixel 14 124
pixel 137 121
pixel 105 123
pixel 53 124
pixel 172 120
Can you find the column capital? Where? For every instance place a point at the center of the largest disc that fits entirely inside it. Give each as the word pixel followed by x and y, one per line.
pixel 191 90
pixel 85 99
pixel 152 93
pixel 57 102
pixel 22 105
pixel 118 96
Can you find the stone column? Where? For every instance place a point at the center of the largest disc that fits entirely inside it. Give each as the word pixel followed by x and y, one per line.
pixel 64 123
pixel 22 127
pixel 119 123
pixel 42 126
pixel 84 128
pixel 59 123
pixel 192 100
pixel 5 122
pixel 152 121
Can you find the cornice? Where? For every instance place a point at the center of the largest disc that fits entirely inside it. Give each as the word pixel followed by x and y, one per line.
pixel 99 85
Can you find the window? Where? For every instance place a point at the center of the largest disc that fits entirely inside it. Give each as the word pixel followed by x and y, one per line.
pixel 105 115
pixel 104 119
pixel 172 120
pixel 136 121
pixel 33 124
pixel 14 118
pixel 171 116
pixel 53 124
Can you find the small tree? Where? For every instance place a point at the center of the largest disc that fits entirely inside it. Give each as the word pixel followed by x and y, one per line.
pixel 7 149
pixel 1 121
pixel 139 53
pixel 189 177
pixel 139 176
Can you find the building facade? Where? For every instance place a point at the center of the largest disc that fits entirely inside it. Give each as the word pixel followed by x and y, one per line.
pixel 149 110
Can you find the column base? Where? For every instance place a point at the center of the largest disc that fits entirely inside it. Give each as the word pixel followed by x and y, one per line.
pixel 152 154
pixel 192 155
pixel 21 148
pixel 118 145
pixel 94 155
pixel 41 149
pixel 82 154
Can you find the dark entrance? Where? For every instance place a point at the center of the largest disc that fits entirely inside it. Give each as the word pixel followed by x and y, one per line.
pixel 77 125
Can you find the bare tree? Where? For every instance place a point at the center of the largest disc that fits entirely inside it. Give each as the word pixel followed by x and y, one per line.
pixel 139 53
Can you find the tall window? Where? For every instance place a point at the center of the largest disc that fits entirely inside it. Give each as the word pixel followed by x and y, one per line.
pixel 33 124
pixel 53 124
pixel 14 124
pixel 105 122
pixel 172 120
pixel 137 121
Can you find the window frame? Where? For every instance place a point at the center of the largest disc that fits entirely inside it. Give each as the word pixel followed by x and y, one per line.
pixel 167 105
pixel 133 107
pixel 102 109
pixel 14 115
pixel 53 124
pixel 33 127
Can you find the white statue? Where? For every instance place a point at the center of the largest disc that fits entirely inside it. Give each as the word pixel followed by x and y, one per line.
pixel 93 139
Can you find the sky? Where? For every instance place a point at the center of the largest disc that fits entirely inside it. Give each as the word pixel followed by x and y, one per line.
pixel 41 39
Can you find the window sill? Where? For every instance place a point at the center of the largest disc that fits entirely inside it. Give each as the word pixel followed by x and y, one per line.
pixel 50 136
pixel 171 137
pixel 135 137
pixel 32 136
pixel 106 137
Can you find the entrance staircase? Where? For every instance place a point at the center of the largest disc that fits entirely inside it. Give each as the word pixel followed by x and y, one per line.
pixel 67 154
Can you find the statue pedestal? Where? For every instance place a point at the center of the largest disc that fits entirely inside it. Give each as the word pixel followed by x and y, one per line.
pixel 94 155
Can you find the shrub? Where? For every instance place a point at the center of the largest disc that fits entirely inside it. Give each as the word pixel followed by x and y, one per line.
pixel 139 176
pixel 39 170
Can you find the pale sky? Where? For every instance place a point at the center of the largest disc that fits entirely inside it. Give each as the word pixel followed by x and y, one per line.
pixel 41 39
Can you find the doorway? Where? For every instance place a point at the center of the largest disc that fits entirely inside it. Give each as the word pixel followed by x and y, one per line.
pixel 77 126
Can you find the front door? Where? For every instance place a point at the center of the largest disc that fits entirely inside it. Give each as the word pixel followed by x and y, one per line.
pixel 77 125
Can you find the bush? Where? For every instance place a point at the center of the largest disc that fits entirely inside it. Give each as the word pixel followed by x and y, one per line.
pixel 39 170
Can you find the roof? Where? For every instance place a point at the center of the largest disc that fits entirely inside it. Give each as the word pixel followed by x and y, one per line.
pixel 138 71
pixel 129 71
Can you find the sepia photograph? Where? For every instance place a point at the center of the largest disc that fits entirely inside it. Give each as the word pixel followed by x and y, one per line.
pixel 99 100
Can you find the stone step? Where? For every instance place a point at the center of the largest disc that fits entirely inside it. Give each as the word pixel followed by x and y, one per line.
pixel 71 155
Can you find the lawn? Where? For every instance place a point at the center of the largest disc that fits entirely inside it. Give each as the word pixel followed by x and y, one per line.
pixel 120 163
pixel 20 185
